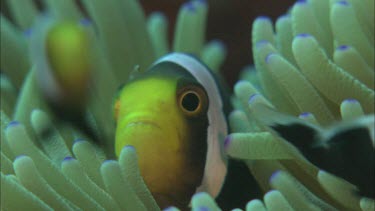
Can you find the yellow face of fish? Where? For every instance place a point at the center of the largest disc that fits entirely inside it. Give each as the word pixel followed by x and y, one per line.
pixel 164 116
pixel 68 53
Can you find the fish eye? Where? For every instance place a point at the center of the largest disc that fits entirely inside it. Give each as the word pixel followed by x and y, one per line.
pixel 192 101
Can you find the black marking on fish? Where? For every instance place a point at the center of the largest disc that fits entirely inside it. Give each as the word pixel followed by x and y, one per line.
pixel 345 151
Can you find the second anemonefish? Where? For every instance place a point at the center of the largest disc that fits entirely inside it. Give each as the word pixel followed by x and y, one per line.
pixel 173 115
pixel 61 51
pixel 345 149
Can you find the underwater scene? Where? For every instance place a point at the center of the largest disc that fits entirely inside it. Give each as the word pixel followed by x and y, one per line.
pixel 171 105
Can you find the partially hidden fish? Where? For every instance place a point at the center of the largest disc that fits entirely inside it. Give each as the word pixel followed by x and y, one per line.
pixel 345 149
pixel 173 114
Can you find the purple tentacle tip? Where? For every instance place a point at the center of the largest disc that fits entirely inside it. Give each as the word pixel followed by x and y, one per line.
pixel 301 2
pixel 274 175
pixel 252 97
pixel 85 21
pixel 203 208
pixel 189 6
pixel 303 35
pixel 19 156
pixel 268 57
pixel 108 161
pixel 351 100
pixel 227 141
pixel 261 43
pixel 68 158
pixel 129 147
pixel 305 114
pixel 263 18
pixel 343 48
pixel 344 3
pixel 13 123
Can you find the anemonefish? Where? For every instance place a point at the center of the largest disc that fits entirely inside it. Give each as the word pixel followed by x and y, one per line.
pixel 61 51
pixel 345 149
pixel 173 115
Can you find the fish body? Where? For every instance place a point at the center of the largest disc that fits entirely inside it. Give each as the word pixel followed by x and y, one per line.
pixel 62 52
pixel 173 115
pixel 345 149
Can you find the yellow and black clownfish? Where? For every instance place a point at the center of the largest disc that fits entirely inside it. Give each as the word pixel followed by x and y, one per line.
pixel 345 149
pixel 173 115
pixel 63 52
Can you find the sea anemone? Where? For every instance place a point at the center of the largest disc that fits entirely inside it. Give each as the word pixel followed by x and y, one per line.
pixel 318 65
pixel 313 63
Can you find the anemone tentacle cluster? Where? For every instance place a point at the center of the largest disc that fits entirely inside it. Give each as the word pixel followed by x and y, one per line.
pixel 319 64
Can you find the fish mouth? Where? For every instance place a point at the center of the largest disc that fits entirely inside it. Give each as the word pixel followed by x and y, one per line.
pixel 142 123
